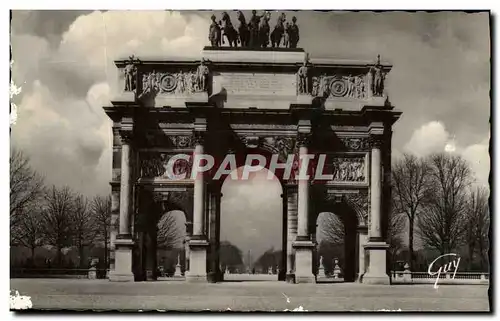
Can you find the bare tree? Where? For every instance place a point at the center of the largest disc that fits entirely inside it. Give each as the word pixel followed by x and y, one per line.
pixel 28 232
pixel 57 219
pixel 83 226
pixel 170 234
pixel 101 213
pixel 477 225
pixel 330 229
pixel 441 223
pixel 410 180
pixel 26 186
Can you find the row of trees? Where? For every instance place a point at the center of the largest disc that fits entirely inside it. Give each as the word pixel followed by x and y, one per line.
pixel 434 201
pixel 442 208
pixel 52 216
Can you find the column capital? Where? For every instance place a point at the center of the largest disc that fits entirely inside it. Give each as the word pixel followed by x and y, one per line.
pixel 376 141
pixel 126 136
pixel 198 137
pixel 303 139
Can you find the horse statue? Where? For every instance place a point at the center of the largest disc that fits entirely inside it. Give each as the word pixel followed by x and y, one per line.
pixel 243 30
pixel 264 30
pixel 228 30
pixel 278 31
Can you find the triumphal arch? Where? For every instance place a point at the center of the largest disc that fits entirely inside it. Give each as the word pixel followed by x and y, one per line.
pixel 250 100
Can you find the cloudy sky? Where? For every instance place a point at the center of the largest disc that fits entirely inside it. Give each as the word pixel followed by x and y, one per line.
pixel 63 62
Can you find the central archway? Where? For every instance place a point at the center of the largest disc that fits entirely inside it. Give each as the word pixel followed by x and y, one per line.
pixel 252 243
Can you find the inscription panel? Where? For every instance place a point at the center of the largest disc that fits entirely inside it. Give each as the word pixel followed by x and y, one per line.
pixel 256 83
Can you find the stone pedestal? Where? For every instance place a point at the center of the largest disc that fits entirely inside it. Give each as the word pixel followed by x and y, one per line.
pixel 376 101
pixel 92 275
pixel 197 97
pixel 362 239
pixel 376 272
pixel 321 271
pixel 197 261
pixel 123 98
pixel 304 99
pixel 123 261
pixel 303 262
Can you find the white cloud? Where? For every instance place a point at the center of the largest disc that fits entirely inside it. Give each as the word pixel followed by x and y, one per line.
pixel 60 115
pixel 433 137
pixel 430 138
pixel 479 158
pixel 65 146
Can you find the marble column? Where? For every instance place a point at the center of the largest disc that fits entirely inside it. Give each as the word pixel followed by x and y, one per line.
pixel 189 229
pixel 213 204
pixel 198 243
pixel 124 242
pixel 303 245
pixel 113 231
pixel 291 232
pixel 376 246
pixel 362 239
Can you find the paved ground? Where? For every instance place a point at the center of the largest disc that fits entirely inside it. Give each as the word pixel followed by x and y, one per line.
pixel 248 296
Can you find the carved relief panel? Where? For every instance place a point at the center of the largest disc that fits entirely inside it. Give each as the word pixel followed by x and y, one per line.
pixel 154 165
pixel 347 168
pixel 339 85
pixel 179 82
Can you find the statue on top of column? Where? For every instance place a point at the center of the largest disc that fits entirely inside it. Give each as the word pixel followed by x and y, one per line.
pixel 303 77
pixel 202 75
pixel 377 78
pixel 130 72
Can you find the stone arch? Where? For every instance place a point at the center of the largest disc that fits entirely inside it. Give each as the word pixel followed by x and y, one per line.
pixel 280 215
pixel 330 238
pixel 241 156
pixel 338 205
pixel 358 202
pixel 171 241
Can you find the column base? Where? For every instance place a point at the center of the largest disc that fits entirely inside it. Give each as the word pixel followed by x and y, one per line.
pixel 305 279
pixel 197 261
pixel 303 262
pixel 121 277
pixel 123 261
pixel 375 279
pixel 376 272
pixel 290 278
pixel 150 275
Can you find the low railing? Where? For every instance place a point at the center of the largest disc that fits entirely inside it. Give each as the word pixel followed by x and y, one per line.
pixel 404 277
pixel 56 273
